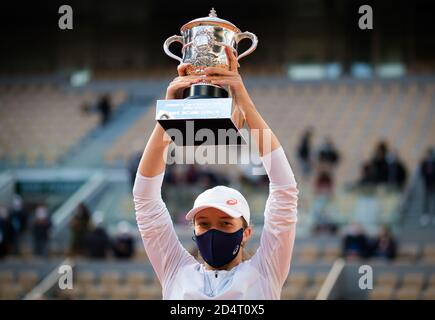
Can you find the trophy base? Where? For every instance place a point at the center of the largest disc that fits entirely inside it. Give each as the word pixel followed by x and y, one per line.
pixel 204 91
pixel 194 122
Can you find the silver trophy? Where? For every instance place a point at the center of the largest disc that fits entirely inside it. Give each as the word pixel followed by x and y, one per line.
pixel 204 41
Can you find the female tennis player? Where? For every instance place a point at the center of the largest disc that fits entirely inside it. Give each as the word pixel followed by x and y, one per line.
pixel 220 215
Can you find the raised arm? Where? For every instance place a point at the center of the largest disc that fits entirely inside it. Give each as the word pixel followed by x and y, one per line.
pixel 153 160
pixel 273 257
pixel 161 243
pixel 244 107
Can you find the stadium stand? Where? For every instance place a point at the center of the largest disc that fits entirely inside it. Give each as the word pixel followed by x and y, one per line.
pixel 39 123
pixel 66 175
pixel 333 108
pixel 379 109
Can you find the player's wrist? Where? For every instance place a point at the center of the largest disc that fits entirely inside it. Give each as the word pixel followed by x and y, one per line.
pixel 245 106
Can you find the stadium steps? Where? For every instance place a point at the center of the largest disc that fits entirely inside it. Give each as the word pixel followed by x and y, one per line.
pixel 89 152
pixel 116 204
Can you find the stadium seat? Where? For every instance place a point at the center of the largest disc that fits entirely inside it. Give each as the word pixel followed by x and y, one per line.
pixel 95 293
pixel 28 279
pixel 414 280
pixel 6 277
pixel 408 253
pixel 428 254
pixel 407 293
pixel 85 278
pixel 297 280
pixel 124 292
pixel 431 281
pixel 319 278
pixel 381 293
pixel 331 253
pixel 308 254
pixel 387 279
pixel 11 291
pixel 428 294
pixel 136 279
pixel 148 293
pixel 311 292
pixel 141 255
pixel 291 293
pixel 110 279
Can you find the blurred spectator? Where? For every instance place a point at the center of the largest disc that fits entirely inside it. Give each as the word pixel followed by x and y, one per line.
pixel 384 245
pixel 397 173
pixel 97 242
pixel 205 181
pixel 208 179
pixel 384 167
pixel 367 177
pixel 80 226
pixel 324 182
pixel 355 242
pixel 18 211
pixel 5 232
pixel 171 175
pixel 427 172
pixel 328 153
pixel 323 193
pixel 105 108
pixel 18 219
pixel 41 231
pixel 192 174
pixel 304 152
pixel 380 164
pixel 123 243
pixel 326 160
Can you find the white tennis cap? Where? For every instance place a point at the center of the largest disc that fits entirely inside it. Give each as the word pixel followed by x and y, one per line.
pixel 226 199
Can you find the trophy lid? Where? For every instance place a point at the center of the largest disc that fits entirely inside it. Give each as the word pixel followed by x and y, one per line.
pixel 212 19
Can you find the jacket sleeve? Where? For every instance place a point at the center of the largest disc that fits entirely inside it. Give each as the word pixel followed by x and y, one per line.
pixel 273 256
pixel 161 243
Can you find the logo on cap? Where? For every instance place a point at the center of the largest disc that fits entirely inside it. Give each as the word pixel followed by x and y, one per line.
pixel 232 202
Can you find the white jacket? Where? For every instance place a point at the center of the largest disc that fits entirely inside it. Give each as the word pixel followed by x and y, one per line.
pixel 183 277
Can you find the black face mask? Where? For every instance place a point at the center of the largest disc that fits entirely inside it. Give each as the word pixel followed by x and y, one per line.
pixel 219 248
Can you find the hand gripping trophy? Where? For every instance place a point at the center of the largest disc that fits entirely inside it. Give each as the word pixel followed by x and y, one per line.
pixel 205 104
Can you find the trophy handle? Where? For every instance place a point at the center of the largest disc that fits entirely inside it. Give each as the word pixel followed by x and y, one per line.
pixel 247 35
pixel 168 42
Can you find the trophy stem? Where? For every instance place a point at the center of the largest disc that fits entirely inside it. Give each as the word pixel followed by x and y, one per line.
pixel 204 91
